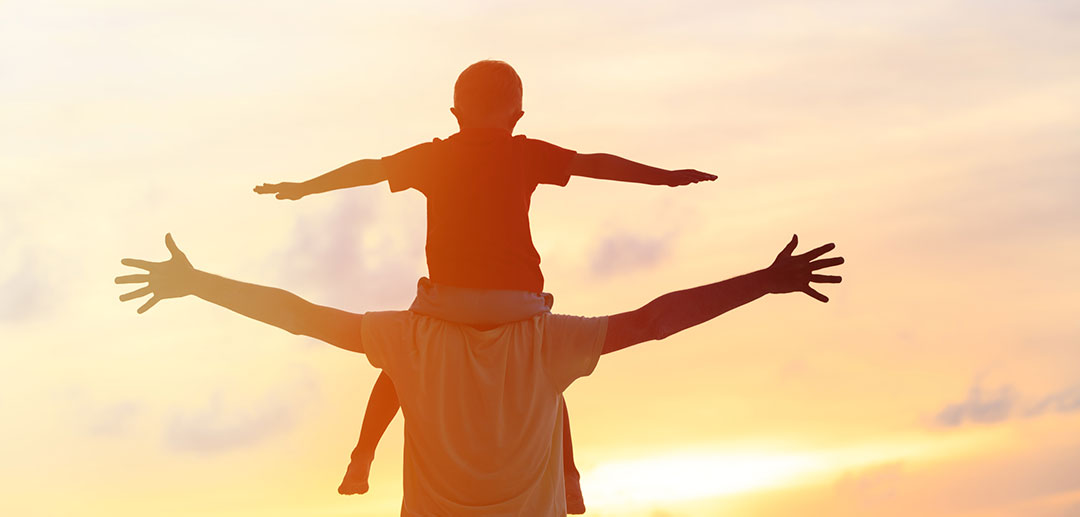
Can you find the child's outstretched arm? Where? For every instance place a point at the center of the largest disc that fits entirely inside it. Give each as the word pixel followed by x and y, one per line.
pixel 611 167
pixel 176 277
pixel 680 310
pixel 355 174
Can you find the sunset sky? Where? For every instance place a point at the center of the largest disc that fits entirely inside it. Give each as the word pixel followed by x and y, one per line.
pixel 936 142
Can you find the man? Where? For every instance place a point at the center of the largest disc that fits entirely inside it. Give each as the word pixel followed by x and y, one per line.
pixel 483 411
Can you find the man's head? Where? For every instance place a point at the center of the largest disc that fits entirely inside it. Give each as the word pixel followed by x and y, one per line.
pixel 488 95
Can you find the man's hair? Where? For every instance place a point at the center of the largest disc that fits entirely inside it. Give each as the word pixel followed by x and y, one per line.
pixel 487 88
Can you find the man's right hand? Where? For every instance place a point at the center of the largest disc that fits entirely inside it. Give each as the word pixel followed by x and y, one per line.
pixel 172 278
pixel 284 190
pixel 794 273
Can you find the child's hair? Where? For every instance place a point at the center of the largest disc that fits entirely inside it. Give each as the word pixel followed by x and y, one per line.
pixel 488 88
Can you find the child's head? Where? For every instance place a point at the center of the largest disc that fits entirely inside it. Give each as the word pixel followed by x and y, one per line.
pixel 488 94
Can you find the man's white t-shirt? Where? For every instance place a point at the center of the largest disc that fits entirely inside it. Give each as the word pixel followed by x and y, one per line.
pixel 483 408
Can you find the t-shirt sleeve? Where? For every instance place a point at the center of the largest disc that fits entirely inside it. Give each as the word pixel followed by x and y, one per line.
pixel 411 168
pixel 383 334
pixel 547 163
pixel 571 347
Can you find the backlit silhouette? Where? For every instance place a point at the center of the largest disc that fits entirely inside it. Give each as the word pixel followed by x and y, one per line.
pixel 483 266
pixel 485 438
pixel 479 363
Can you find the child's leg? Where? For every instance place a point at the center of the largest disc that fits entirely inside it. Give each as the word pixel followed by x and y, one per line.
pixel 575 501
pixel 382 407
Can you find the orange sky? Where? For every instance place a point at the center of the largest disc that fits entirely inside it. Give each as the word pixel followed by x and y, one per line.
pixel 935 142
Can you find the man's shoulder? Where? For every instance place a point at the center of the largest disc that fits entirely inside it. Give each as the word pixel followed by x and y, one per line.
pixel 378 318
pixel 573 323
pixel 571 347
pixel 376 324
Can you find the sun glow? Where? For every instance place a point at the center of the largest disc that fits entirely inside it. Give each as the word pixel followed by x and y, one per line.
pixel 703 474
pixel 689 476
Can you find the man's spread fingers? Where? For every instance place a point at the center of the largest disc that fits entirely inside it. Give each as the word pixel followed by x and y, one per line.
pixel 132 279
pixel 786 252
pixel 824 263
pixel 825 279
pixel 141 264
pixel 818 251
pixel 138 293
pixel 816 295
pixel 150 303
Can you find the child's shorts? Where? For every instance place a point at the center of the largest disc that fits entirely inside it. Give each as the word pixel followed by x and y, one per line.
pixel 477 307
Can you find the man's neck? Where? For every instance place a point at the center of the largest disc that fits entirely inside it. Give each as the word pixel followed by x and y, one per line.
pixel 482 129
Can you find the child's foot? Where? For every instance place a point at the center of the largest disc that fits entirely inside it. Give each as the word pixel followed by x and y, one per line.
pixel 356 477
pixel 575 502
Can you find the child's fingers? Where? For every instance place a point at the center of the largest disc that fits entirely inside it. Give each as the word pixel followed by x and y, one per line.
pixel 693 176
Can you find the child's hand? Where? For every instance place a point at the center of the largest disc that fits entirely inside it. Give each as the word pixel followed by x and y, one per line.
pixel 169 279
pixel 686 177
pixel 285 190
pixel 789 274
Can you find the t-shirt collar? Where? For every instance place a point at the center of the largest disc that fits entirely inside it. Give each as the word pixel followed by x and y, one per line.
pixel 482 133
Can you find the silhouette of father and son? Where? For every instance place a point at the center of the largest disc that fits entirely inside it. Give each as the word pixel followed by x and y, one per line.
pixel 479 363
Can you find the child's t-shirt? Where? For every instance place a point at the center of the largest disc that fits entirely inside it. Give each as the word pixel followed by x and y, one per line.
pixel 478 185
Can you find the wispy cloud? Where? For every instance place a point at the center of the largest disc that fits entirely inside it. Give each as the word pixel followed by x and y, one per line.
pixel 115 420
pixel 23 290
pixel 110 418
pixel 220 426
pixel 354 256
pixel 1004 403
pixel 979 407
pixel 1065 400
pixel 624 251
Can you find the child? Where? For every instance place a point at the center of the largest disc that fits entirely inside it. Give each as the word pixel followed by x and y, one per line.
pixel 483 267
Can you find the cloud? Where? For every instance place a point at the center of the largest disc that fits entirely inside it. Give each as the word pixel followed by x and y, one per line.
pixel 22 291
pixel 220 427
pixel 25 290
pixel 623 252
pixel 1065 400
pixel 1003 404
pixel 96 417
pixel 115 420
pixel 979 407
pixel 357 256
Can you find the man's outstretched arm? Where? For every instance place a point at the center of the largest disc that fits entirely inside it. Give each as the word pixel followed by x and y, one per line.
pixel 611 167
pixel 176 277
pixel 355 174
pixel 680 310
